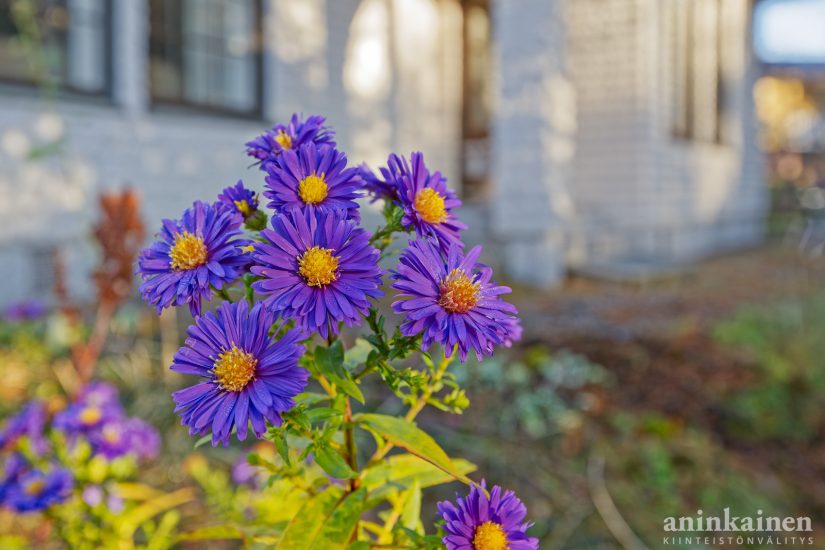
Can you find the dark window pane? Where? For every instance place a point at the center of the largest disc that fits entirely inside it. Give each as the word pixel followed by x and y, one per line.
pixel 205 53
pixel 62 43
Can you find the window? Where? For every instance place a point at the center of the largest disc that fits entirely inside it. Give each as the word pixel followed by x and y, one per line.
pixel 206 53
pixel 699 80
pixel 56 43
pixel 477 100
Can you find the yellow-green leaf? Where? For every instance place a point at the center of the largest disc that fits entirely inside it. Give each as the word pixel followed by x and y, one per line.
pixel 407 435
pixel 341 525
pixel 307 523
pixel 332 462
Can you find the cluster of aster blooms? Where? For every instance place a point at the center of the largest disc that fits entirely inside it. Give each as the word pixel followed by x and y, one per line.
pixel 306 267
pixel 93 426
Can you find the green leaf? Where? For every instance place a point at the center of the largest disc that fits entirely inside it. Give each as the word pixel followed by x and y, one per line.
pixel 340 526
pixel 279 440
pixel 322 413
pixel 332 462
pixel 411 514
pixel 402 471
pixel 215 532
pixel 203 441
pixel 407 435
pixel 304 527
pixel 330 362
pixel 357 354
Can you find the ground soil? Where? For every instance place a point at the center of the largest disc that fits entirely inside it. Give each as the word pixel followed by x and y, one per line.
pixel 655 337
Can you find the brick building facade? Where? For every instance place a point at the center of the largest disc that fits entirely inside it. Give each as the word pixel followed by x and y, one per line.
pixel 577 130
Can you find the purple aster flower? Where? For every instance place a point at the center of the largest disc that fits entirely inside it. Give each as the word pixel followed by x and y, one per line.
pixel 427 202
pixel 317 268
pixel 239 200
pixel 249 376
pixel 95 405
pixel 268 147
pixel 93 495
pixel 36 489
pixel 376 187
pixel 192 256
pixel 481 522
pixel 451 302
pixel 25 310
pixel 29 422
pixel 314 176
pixel 13 468
pixel 118 437
pixel 244 473
pixel 511 331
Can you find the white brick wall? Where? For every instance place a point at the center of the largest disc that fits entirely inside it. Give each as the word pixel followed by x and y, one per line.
pixel 173 158
pixel 640 193
pixel 584 166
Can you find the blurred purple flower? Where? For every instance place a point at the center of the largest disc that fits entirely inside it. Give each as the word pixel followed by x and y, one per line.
pixel 93 495
pixel 29 422
pixel 38 489
pixel 96 404
pixel 25 310
pixel 118 437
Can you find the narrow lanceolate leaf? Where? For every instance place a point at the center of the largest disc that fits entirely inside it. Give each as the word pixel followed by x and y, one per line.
pixel 301 532
pixel 216 532
pixel 407 435
pixel 330 362
pixel 406 469
pixel 341 525
pixel 332 462
pixel 411 513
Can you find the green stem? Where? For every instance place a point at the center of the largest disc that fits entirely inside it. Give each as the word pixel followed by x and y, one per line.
pixel 352 448
pixel 416 408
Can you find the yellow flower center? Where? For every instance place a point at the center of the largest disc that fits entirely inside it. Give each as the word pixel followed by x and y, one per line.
pixel 243 207
pixel 35 487
pixel 430 206
pixel 90 415
pixel 248 249
pixel 459 294
pixel 188 252
pixel 234 369
pixel 318 266
pixel 111 434
pixel 313 189
pixel 490 536
pixel 283 139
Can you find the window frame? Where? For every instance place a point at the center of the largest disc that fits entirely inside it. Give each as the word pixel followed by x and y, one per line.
pixel 193 107
pixel 65 88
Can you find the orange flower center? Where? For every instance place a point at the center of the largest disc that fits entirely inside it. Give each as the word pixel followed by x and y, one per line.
pixel 313 189
pixel 459 294
pixel 188 252
pixel 234 369
pixel 490 536
pixel 318 266
pixel 430 206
